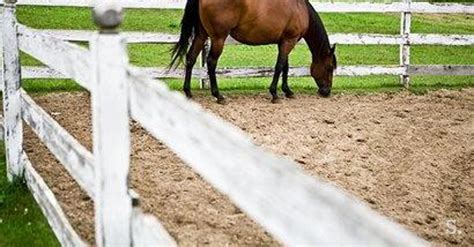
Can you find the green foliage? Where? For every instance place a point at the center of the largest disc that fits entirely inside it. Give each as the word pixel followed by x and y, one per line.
pixel 21 221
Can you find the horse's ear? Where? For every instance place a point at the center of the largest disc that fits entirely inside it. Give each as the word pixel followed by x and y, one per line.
pixel 333 49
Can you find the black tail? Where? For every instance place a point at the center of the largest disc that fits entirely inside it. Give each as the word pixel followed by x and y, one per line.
pixel 189 27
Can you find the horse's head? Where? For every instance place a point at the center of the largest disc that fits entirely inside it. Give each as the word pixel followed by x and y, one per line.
pixel 323 70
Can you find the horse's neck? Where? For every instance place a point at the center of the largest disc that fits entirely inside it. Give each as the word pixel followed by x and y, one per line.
pixel 319 47
pixel 317 39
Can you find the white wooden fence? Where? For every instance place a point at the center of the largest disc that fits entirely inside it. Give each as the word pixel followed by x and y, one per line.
pixel 294 207
pixel 405 39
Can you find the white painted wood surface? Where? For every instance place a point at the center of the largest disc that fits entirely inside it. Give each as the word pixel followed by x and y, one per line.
pixel 405 29
pixel 148 231
pixel 294 207
pixel 113 205
pixel 418 7
pixel 77 160
pixel 11 93
pixel 1 129
pixel 38 72
pixel 50 207
pixel 441 70
pixel 204 81
pixel 162 73
pixel 437 39
pixel 339 38
pixel 66 58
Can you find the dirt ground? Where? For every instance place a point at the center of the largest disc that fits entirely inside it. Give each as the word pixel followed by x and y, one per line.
pixel 409 157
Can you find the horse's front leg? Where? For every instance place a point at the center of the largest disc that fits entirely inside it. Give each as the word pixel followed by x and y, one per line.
pixel 284 86
pixel 217 45
pixel 284 49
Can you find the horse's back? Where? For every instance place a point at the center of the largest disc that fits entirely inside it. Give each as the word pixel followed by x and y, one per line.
pixel 255 21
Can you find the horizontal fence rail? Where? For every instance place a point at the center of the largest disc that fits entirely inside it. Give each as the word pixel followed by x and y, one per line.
pixel 67 58
pixel 29 72
pixel 339 38
pixel 417 7
pixel 163 73
pixel 77 160
pixel 148 231
pixel 294 207
pixel 50 207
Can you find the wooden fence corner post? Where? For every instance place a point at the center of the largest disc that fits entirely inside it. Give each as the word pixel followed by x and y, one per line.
pixel 11 75
pixel 405 29
pixel 113 204
pixel 204 80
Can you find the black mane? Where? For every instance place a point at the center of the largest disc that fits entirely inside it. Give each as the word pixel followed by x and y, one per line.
pixel 316 36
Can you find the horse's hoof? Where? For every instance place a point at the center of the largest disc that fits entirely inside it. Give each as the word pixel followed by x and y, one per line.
pixel 221 101
pixel 276 101
pixel 290 95
pixel 189 95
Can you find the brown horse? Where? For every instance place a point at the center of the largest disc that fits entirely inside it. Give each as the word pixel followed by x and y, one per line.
pixel 255 22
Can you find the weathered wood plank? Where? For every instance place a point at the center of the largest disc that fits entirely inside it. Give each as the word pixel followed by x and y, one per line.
pixel 113 204
pixel 441 70
pixel 66 58
pixel 320 7
pixel 1 129
pixel 38 72
pixel 163 73
pixel 148 231
pixel 11 92
pixel 77 160
pixel 437 39
pixel 294 207
pixel 50 207
pixel 268 72
pixel 339 38
pixel 405 30
pixel 417 7
pixel 131 37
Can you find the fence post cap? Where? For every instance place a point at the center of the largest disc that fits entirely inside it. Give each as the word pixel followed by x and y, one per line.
pixel 10 1
pixel 107 15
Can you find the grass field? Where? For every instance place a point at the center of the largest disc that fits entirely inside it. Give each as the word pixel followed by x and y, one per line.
pixel 30 229
pixel 246 56
pixel 21 221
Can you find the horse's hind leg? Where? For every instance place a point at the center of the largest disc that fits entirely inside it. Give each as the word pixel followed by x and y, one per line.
pixel 284 86
pixel 217 45
pixel 191 56
pixel 284 49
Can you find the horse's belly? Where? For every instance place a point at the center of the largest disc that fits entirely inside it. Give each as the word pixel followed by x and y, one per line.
pixel 256 36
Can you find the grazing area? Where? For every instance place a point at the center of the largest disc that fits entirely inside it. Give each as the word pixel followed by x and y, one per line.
pixel 407 156
pixel 248 56
pixel 21 221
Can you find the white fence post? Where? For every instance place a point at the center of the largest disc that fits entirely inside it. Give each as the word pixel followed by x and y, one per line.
pixel 405 29
pixel 204 81
pixel 11 91
pixel 113 204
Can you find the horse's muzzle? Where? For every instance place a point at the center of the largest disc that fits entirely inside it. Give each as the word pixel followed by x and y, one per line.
pixel 325 92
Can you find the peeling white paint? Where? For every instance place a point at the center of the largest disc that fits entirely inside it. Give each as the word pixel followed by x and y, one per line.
pixel 50 207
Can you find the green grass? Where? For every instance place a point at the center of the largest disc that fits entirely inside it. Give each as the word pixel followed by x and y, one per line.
pixel 168 21
pixel 150 55
pixel 21 221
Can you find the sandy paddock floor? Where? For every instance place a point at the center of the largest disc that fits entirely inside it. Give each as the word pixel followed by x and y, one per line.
pixel 409 157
